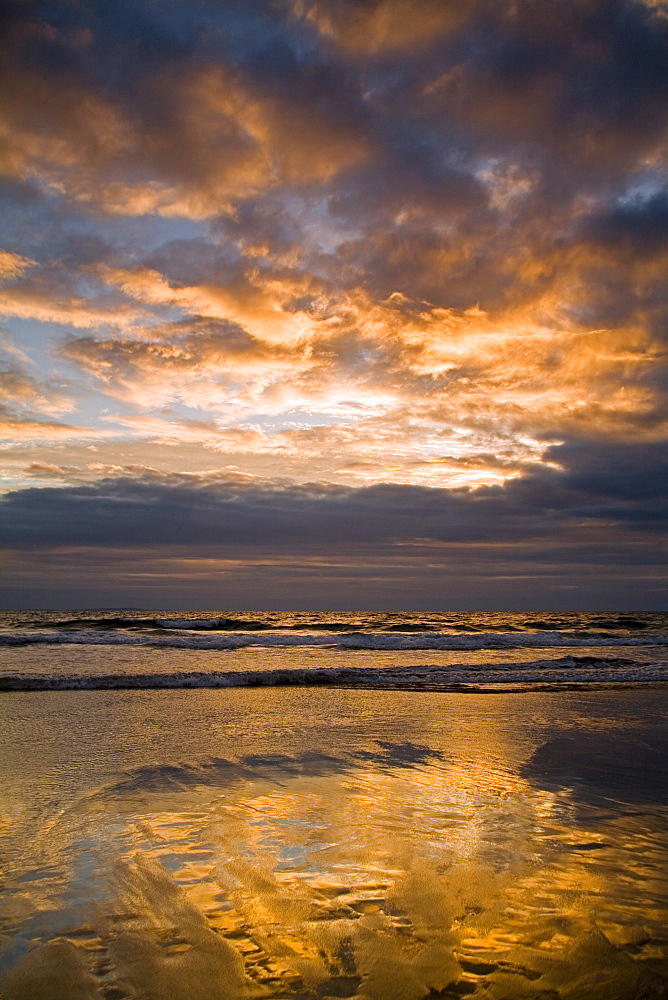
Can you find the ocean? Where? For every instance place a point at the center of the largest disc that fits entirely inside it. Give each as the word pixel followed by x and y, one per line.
pixel 45 650
pixel 216 806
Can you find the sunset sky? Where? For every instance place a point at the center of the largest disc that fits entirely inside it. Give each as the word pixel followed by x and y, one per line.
pixel 334 303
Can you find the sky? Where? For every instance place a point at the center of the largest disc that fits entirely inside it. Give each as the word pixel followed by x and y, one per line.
pixel 348 304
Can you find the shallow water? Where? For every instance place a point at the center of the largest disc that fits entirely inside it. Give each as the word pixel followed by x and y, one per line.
pixel 326 843
pixel 49 650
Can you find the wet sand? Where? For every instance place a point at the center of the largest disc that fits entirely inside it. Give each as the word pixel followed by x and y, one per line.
pixel 327 843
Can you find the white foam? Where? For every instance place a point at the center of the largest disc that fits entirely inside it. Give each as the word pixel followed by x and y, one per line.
pixel 567 671
pixel 350 640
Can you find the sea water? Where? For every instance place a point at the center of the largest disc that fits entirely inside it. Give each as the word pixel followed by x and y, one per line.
pixel 94 649
pixel 498 830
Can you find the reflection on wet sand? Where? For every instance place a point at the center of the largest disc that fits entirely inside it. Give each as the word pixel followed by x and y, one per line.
pixel 461 865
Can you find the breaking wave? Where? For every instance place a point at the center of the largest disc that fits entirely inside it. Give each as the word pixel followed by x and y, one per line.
pixel 457 624
pixel 175 638
pixel 193 624
pixel 567 671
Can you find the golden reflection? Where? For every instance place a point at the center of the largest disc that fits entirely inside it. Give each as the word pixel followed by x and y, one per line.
pixel 376 869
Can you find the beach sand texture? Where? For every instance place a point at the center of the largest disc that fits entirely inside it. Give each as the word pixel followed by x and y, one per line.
pixel 207 844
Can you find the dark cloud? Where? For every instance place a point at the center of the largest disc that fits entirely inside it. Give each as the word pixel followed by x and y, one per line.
pixel 583 84
pixel 616 471
pixel 548 541
pixel 605 486
pixel 636 227
pixel 417 240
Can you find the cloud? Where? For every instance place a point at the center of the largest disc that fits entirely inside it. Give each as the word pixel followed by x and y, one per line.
pixel 622 472
pixel 636 227
pixel 405 360
pixel 390 241
pixel 25 400
pixel 55 292
pixel 13 265
pixel 383 26
pixel 177 136
pixel 591 529
pixel 598 487
pixel 29 406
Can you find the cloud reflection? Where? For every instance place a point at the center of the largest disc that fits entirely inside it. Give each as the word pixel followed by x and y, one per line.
pixel 381 870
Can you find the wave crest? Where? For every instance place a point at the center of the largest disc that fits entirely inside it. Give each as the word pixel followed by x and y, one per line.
pixel 344 641
pixel 567 671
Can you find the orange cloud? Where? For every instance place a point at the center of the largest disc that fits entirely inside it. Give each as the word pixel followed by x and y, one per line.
pixel 383 25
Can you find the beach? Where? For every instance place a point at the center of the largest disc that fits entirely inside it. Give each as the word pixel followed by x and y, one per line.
pixel 329 842
pixel 333 422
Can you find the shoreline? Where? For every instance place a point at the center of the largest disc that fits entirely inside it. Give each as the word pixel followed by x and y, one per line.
pixel 60 685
